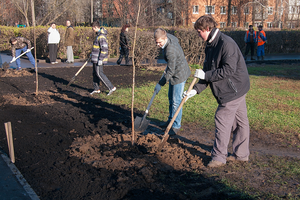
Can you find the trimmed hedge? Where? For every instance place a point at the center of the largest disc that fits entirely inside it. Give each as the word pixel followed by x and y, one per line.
pixel 192 45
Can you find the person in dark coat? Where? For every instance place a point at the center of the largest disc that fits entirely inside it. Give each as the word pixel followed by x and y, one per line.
pixel 124 45
pixel 225 72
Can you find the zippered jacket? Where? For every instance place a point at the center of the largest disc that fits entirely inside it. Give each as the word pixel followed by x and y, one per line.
pixel 261 38
pixel 225 69
pixel 100 48
pixel 247 38
pixel 177 70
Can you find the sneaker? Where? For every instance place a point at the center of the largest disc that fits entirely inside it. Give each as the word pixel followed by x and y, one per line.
pixel 19 68
pixel 234 158
pixel 111 91
pixel 53 63
pixel 69 61
pixel 95 92
pixel 215 163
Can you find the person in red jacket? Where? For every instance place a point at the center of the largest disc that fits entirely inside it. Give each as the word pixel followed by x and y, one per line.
pixel 261 40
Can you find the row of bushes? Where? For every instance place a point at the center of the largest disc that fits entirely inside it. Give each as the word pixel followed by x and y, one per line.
pixel 278 42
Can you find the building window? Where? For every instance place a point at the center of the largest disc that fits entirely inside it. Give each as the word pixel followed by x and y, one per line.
pixel 209 9
pixel 246 10
pixel 234 10
pixel 233 24
pixel 195 9
pixel 269 25
pixel 246 24
pixel 270 10
pixel 222 24
pixel 170 15
pixel 161 10
pixel 293 10
pixel 223 10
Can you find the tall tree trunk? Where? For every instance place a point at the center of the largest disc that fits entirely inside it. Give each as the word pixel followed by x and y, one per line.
pixel 229 13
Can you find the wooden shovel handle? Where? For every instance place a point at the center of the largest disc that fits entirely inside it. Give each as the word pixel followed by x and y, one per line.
pixel 166 135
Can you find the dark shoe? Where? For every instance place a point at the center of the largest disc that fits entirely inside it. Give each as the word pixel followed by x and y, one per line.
pixel 174 131
pixel 262 58
pixel 111 91
pixel 69 61
pixel 164 124
pixel 252 58
pixel 215 163
pixel 234 158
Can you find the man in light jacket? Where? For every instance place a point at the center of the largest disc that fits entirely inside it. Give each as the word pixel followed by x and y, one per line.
pixel 53 41
pixel 69 42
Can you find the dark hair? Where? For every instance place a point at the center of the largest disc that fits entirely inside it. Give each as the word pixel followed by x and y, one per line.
pixel 13 39
pixel 204 22
pixel 160 33
pixel 124 27
pixel 260 26
pixel 96 24
pixel 250 26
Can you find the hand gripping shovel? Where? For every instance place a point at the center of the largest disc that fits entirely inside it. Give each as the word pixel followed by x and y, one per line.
pixel 166 135
pixel 141 123
pixel 21 55
pixel 81 68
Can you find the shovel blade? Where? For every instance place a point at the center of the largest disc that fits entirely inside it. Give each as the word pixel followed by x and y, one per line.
pixel 5 66
pixel 140 125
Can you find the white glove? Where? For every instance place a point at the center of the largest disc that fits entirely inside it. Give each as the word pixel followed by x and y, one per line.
pixel 100 62
pixel 28 50
pixel 13 59
pixel 200 74
pixel 192 93
pixel 157 88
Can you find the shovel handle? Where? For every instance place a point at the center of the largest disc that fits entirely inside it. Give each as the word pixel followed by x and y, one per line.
pixel 166 135
pixel 147 110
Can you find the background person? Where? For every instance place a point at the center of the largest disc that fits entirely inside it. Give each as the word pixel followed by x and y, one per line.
pixel 176 73
pixel 124 45
pixel 53 41
pixel 99 58
pixel 225 71
pixel 250 40
pixel 19 45
pixel 261 40
pixel 69 42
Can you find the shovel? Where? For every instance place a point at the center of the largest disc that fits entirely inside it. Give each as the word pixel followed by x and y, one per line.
pixel 141 123
pixel 81 68
pixel 6 65
pixel 166 135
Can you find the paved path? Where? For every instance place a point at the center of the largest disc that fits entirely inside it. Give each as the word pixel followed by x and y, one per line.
pixel 12 183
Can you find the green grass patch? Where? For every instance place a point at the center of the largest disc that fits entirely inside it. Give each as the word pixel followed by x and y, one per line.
pixel 273 103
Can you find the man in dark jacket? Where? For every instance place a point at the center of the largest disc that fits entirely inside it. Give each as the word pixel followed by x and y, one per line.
pixel 100 57
pixel 250 40
pixel 19 45
pixel 226 73
pixel 176 73
pixel 69 42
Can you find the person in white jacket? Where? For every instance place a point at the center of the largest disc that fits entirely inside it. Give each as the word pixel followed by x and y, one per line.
pixel 53 40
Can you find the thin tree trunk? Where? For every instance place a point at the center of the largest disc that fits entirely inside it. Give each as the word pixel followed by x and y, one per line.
pixel 133 75
pixel 34 43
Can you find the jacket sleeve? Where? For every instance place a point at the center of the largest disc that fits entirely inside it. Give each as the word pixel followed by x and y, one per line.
pixel 170 70
pixel 103 48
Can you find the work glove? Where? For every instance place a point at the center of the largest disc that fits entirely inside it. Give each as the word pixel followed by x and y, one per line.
pixel 200 74
pixel 100 62
pixel 157 88
pixel 192 93
pixel 13 59
pixel 28 50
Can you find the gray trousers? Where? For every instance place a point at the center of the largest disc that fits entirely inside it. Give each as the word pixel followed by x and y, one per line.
pixel 231 117
pixel 98 76
pixel 70 56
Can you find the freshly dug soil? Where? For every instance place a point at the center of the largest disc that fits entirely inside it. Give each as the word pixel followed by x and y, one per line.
pixel 70 145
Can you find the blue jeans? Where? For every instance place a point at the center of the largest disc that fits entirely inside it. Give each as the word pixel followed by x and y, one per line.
pixel 175 97
pixel 29 55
